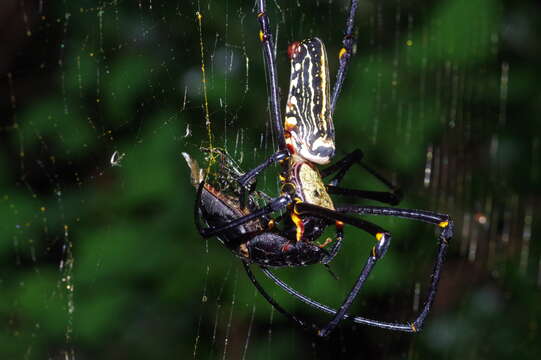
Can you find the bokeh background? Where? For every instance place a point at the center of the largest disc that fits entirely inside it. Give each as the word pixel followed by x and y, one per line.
pixel 99 253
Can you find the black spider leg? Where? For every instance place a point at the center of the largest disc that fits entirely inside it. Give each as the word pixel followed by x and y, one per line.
pixel 338 241
pixel 273 302
pixel 267 43
pixel 342 166
pixel 378 252
pixel 345 54
pixel 359 319
pixel 383 238
pixel 245 179
pixel 329 310
pixel 276 204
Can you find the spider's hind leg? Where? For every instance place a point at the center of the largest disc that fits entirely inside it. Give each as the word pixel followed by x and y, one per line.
pixel 442 221
pixel 383 241
pixel 341 167
pixel 446 227
pixel 273 302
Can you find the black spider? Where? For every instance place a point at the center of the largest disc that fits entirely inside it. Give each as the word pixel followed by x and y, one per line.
pixel 242 220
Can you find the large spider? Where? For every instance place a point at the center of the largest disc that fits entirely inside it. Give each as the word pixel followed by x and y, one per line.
pixel 306 138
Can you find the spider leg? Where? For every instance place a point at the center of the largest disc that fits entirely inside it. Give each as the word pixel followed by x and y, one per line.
pixel 277 156
pixel 446 233
pixel 337 245
pixel 244 179
pixel 419 215
pixel 383 238
pixel 344 55
pixel 267 43
pixel 414 326
pixel 381 196
pixel 440 220
pixel 273 302
pixel 275 205
pixel 329 310
pixel 342 166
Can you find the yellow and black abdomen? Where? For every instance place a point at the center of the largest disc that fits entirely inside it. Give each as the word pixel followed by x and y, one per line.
pixel 309 129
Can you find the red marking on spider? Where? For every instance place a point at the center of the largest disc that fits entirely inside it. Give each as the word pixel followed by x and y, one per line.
pixel 290 147
pixel 286 247
pixel 292 49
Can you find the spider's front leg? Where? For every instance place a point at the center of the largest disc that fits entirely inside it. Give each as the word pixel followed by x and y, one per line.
pixel 267 44
pixel 247 177
pixel 276 157
pixel 345 54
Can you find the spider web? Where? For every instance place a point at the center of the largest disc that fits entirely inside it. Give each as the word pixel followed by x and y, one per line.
pixel 100 255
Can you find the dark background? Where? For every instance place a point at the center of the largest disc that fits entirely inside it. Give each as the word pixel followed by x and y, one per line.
pixel 102 261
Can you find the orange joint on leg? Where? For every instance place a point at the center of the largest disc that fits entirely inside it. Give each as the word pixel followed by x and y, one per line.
pixel 443 224
pixel 261 36
pixel 379 236
pixel 271 224
pixel 325 243
pixel 289 146
pixel 413 327
pixel 342 52
pixel 243 249
pixel 286 247
pixel 373 251
pixel 339 224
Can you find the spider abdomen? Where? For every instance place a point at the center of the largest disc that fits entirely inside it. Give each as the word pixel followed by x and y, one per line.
pixel 308 123
pixel 273 250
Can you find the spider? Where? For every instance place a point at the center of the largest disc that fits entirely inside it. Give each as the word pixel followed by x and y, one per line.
pixel 242 219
